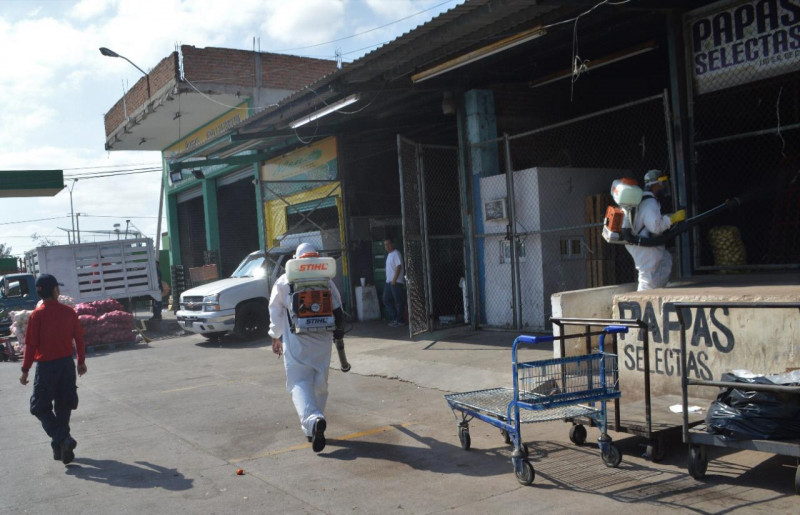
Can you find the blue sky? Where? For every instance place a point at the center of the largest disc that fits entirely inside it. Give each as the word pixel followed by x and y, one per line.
pixel 55 86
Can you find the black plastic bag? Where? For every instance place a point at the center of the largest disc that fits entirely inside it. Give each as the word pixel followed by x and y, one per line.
pixel 741 414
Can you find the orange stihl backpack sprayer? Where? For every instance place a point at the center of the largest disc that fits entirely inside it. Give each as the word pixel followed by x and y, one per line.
pixel 312 301
pixel 627 194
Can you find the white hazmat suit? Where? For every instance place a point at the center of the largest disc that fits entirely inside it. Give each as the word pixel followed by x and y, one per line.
pixel 653 263
pixel 307 356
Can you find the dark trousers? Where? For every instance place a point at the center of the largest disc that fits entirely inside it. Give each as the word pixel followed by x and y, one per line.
pixel 157 307
pixel 394 297
pixel 55 395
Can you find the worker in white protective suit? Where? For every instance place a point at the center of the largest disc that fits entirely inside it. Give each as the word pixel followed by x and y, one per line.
pixel 654 264
pixel 307 356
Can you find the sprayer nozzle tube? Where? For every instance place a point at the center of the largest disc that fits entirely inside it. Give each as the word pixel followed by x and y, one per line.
pixel 342 356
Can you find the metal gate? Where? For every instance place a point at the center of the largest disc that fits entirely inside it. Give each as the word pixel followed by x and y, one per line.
pixel 433 235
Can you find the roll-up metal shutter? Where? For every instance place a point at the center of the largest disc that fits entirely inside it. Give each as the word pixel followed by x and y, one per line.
pixel 238 221
pixel 189 194
pixel 244 173
pixel 191 231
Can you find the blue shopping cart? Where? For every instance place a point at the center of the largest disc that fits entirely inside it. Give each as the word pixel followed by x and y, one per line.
pixel 551 389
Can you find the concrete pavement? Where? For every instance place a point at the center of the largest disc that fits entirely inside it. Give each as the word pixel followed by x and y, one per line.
pixel 163 427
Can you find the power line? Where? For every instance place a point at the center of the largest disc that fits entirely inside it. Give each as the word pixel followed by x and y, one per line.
pixel 366 31
pixel 114 174
pixel 35 220
pixel 119 216
pixel 148 165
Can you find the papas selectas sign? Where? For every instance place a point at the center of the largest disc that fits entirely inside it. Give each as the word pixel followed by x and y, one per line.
pixel 734 43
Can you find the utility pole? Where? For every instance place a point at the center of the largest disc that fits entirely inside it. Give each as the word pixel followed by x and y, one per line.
pixel 71 209
pixel 78 221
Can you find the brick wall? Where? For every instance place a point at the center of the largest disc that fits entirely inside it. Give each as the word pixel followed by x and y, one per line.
pixel 238 67
pixel 136 97
pixel 222 66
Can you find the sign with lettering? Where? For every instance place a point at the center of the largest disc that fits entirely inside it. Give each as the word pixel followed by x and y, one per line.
pixel 734 43
pixel 718 340
pixel 312 162
pixel 209 132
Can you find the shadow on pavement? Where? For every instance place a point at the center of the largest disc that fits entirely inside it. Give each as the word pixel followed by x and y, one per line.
pixel 141 475
pixel 434 456
pixel 581 469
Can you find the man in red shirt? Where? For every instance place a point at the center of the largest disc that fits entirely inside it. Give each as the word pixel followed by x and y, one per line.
pixel 48 340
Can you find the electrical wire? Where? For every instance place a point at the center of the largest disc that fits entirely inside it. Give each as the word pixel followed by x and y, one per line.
pixel 367 31
pixel 114 174
pixel 146 165
pixel 34 220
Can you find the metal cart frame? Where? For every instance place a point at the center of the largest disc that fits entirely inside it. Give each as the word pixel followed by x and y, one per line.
pixel 653 429
pixel 698 439
pixel 543 390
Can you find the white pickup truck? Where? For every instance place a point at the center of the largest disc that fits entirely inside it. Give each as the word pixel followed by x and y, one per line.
pixel 237 304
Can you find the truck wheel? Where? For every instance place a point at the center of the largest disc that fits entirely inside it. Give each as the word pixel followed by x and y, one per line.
pixel 251 321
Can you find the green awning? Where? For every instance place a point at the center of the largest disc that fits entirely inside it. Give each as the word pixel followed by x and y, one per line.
pixel 31 183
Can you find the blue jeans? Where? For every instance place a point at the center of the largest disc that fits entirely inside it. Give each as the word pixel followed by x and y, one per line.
pixel 55 395
pixel 394 298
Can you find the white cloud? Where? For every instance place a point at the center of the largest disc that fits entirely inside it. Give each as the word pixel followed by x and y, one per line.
pixel 303 22
pixel 88 9
pixel 55 86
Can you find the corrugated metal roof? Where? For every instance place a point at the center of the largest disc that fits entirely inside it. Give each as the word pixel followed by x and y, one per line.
pixel 386 71
pixel 453 31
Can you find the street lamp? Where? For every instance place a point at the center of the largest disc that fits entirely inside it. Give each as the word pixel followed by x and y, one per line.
pixel 110 53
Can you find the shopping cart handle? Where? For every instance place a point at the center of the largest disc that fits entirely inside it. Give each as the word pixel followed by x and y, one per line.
pixel 615 329
pixel 532 339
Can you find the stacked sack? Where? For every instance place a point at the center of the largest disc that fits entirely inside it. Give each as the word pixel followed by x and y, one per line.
pixel 19 319
pixel 727 246
pixel 19 323
pixel 105 321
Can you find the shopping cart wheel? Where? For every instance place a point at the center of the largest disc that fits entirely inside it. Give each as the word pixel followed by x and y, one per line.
pixel 698 461
pixel 611 456
pixel 506 436
pixel 523 447
pixel 655 450
pixel 577 434
pixel 463 436
pixel 797 480
pixel 525 474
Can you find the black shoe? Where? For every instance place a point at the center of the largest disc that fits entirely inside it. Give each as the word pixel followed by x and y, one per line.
pixel 318 435
pixel 56 451
pixel 309 439
pixel 67 448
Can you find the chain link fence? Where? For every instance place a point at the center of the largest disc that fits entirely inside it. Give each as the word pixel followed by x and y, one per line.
pixel 746 145
pixel 444 234
pixel 746 111
pixel 552 207
pixel 433 238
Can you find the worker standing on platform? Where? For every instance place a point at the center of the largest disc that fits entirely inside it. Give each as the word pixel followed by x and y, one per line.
pixel 654 264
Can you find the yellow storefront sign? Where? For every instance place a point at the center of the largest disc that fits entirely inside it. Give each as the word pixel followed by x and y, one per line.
pixel 313 162
pixel 209 132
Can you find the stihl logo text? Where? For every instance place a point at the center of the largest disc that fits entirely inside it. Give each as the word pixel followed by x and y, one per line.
pixel 311 268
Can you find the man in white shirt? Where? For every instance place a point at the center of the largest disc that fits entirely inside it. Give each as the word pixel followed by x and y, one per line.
pixel 394 294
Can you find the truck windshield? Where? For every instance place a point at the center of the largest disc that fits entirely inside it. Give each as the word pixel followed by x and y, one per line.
pixel 252 266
